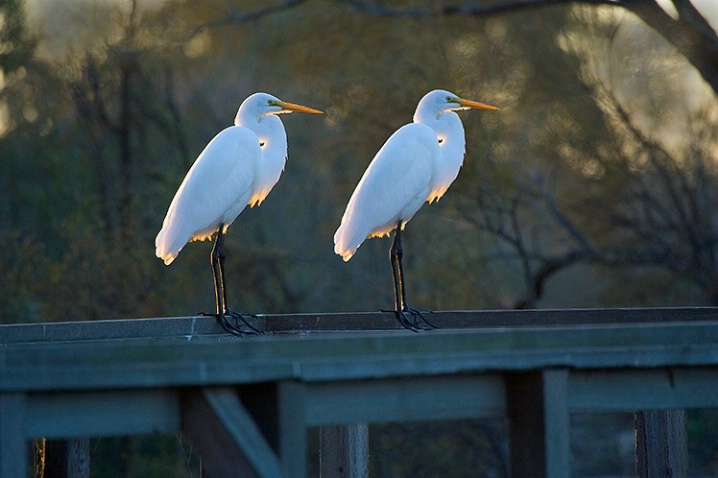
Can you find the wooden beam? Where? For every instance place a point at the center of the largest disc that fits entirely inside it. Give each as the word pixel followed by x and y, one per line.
pixel 537 409
pixel 344 451
pixel 328 369
pixel 405 399
pixel 661 443
pixel 291 399
pixel 226 436
pixel 102 413
pixel 127 364
pixel 293 323
pixel 626 389
pixel 13 446
pixel 188 329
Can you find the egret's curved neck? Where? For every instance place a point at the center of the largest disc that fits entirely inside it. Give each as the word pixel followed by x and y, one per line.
pixel 452 143
pixel 273 141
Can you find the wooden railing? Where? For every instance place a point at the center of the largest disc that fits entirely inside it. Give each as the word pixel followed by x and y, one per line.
pixel 246 403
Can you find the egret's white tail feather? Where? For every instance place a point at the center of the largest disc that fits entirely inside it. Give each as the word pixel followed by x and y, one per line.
pixel 168 245
pixel 342 245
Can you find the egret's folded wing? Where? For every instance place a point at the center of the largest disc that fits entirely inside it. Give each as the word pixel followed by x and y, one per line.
pixel 393 188
pixel 215 190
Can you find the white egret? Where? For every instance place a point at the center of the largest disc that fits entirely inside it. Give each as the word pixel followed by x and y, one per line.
pixel 239 167
pixel 417 163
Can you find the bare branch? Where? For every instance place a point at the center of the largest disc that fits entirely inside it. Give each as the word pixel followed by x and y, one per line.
pixel 235 16
pixel 366 6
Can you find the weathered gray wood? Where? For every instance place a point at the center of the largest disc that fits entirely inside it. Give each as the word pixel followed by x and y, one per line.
pixel 224 433
pixel 13 447
pixel 537 409
pixel 556 420
pixel 405 399
pixel 121 412
pixel 328 357
pixel 292 429
pixel 572 360
pixel 205 328
pixel 629 389
pixel 293 323
pixel 78 458
pixel 661 444
pixel 344 451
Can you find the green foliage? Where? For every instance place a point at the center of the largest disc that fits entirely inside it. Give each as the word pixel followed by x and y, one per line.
pixel 16 45
pixel 702 443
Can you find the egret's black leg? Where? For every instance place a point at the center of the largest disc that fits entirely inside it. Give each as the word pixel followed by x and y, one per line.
pixel 409 318
pixel 216 275
pixel 235 315
pixel 394 256
pixel 398 307
pixel 220 292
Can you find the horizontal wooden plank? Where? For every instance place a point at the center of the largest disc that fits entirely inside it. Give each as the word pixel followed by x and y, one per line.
pixel 352 355
pixel 181 328
pixel 125 377
pixel 626 389
pixel 200 327
pixel 410 398
pixel 404 399
pixel 119 412
pixel 293 323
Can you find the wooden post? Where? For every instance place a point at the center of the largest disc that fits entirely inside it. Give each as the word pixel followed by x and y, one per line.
pixel 13 447
pixel 292 429
pixel 661 444
pixel 537 407
pixel 344 451
pixel 67 458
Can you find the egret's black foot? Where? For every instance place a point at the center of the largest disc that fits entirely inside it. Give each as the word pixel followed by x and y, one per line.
pixel 413 319
pixel 238 325
pixel 243 318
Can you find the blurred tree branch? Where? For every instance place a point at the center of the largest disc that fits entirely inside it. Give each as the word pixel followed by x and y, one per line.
pixel 367 6
pixel 690 33
pixel 668 209
pixel 661 217
pixel 234 15
pixel 513 224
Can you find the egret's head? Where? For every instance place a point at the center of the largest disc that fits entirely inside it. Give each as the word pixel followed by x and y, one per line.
pixel 259 105
pixel 442 101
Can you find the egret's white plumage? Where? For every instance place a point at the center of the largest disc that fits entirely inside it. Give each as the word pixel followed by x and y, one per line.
pixel 417 163
pixel 239 167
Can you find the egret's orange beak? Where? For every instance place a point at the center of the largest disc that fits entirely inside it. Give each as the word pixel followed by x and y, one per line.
pixel 299 108
pixel 476 104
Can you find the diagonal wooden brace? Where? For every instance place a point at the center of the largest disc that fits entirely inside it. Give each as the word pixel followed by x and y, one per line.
pixel 226 436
